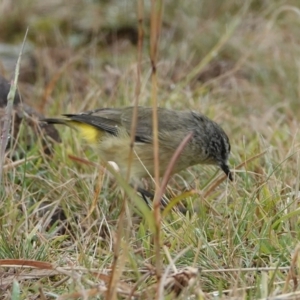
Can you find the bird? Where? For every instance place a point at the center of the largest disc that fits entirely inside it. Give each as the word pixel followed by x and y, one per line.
pixel 109 129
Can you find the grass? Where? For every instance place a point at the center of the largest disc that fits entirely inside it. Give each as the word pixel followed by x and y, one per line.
pixel 238 65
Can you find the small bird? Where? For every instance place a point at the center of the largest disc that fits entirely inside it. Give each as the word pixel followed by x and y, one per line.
pixel 109 130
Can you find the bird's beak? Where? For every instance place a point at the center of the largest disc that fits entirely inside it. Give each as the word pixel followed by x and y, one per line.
pixel 227 171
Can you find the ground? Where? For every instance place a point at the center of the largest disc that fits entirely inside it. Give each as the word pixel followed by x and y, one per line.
pixel 80 230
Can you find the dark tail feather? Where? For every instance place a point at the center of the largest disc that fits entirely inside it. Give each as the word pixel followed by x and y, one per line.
pixel 55 121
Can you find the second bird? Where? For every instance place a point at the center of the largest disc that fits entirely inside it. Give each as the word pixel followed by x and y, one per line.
pixel 109 130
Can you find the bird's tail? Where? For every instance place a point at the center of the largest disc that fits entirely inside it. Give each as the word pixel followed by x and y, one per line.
pixel 87 131
pixel 61 121
pixel 57 121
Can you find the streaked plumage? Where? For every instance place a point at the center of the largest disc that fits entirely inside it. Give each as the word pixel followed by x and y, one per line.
pixel 109 129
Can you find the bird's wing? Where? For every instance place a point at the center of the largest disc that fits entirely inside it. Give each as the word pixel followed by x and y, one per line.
pixel 172 124
pixel 143 131
pixel 169 123
pixel 106 119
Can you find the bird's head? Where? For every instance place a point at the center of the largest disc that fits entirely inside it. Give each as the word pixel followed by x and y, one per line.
pixel 219 151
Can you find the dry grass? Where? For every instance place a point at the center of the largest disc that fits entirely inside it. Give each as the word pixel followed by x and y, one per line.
pixel 60 215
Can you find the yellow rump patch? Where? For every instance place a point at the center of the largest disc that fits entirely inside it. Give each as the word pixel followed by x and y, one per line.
pixel 88 132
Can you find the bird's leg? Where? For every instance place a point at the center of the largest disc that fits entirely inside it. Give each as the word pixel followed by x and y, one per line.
pixel 146 195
